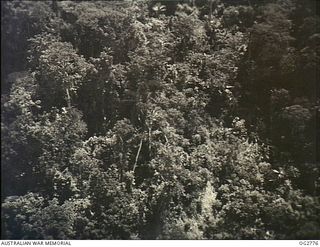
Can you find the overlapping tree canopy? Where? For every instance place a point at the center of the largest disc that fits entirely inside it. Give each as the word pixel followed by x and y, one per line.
pixel 160 119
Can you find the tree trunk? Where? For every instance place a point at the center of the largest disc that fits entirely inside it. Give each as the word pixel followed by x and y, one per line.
pixel 68 98
pixel 210 11
pixel 137 156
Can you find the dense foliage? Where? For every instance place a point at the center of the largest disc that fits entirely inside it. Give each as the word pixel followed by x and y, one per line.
pixel 160 119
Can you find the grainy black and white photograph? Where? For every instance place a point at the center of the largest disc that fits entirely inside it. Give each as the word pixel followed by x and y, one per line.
pixel 160 120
